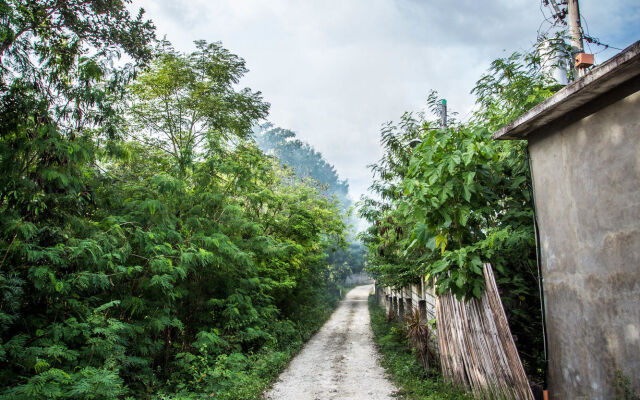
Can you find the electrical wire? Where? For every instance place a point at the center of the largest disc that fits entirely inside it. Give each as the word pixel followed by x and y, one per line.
pixel 558 19
pixel 584 36
pixel 554 21
pixel 593 40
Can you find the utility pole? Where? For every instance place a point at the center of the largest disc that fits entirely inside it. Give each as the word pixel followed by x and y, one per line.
pixel 443 113
pixel 575 29
pixel 575 32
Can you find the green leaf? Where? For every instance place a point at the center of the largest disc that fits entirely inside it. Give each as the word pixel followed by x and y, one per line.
pixel 441 242
pixel 431 243
pixel 477 291
pixel 466 194
pixel 446 217
pixel 467 157
pixel 152 207
pixel 468 178
pixel 465 213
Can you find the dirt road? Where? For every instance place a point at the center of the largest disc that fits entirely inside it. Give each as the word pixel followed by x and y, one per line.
pixel 340 361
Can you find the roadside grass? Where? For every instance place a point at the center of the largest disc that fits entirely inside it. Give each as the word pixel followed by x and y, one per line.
pixel 267 365
pixel 400 362
pixel 246 376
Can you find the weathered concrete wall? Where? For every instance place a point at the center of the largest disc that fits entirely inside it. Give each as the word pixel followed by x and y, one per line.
pixel 587 191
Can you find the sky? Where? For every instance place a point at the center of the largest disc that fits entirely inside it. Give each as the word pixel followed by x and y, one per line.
pixel 335 70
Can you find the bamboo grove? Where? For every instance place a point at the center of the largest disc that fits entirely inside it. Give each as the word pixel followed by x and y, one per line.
pixel 148 247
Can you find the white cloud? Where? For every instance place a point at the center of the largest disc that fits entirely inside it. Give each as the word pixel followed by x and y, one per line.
pixel 335 70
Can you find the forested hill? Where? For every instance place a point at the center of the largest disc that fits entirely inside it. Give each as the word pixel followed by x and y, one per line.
pixel 148 248
pixel 310 166
pixel 305 161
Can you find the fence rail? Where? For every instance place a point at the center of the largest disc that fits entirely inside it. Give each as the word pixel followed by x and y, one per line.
pixel 475 344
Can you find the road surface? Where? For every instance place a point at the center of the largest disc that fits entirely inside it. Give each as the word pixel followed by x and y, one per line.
pixel 340 361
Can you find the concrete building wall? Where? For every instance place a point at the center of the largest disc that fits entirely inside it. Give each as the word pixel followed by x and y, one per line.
pixel 587 191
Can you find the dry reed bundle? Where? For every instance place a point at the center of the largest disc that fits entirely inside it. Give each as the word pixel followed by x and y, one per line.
pixel 421 338
pixel 476 347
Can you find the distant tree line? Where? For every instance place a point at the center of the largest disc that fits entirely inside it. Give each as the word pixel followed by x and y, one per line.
pixel 310 166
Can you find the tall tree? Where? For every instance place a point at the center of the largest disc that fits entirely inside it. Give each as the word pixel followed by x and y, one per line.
pixel 187 102
pixel 303 159
pixel 133 268
pixel 309 164
pixel 58 93
pixel 459 199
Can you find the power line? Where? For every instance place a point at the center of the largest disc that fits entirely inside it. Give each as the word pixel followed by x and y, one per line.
pixel 559 14
pixel 593 40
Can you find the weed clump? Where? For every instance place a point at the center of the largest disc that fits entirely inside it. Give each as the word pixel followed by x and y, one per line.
pixel 403 363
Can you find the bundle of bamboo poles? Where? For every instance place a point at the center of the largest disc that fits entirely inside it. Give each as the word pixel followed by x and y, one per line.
pixel 476 347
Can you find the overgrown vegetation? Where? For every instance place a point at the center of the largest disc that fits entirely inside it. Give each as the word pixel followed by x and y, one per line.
pixel 310 167
pixel 459 199
pixel 148 248
pixel 623 389
pixel 401 362
pixel 421 338
pixel 306 162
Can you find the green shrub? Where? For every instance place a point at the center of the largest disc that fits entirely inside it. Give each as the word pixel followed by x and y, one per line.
pixel 145 255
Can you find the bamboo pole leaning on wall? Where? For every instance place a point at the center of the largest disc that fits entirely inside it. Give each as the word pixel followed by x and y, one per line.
pixel 476 347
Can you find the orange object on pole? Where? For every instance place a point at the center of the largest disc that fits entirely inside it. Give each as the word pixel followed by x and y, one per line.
pixel 584 60
pixel 545 395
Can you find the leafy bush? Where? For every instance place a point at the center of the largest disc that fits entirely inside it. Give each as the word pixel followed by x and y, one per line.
pixel 148 248
pixel 459 199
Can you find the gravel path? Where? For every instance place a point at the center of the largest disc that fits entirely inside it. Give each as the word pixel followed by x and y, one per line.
pixel 340 361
